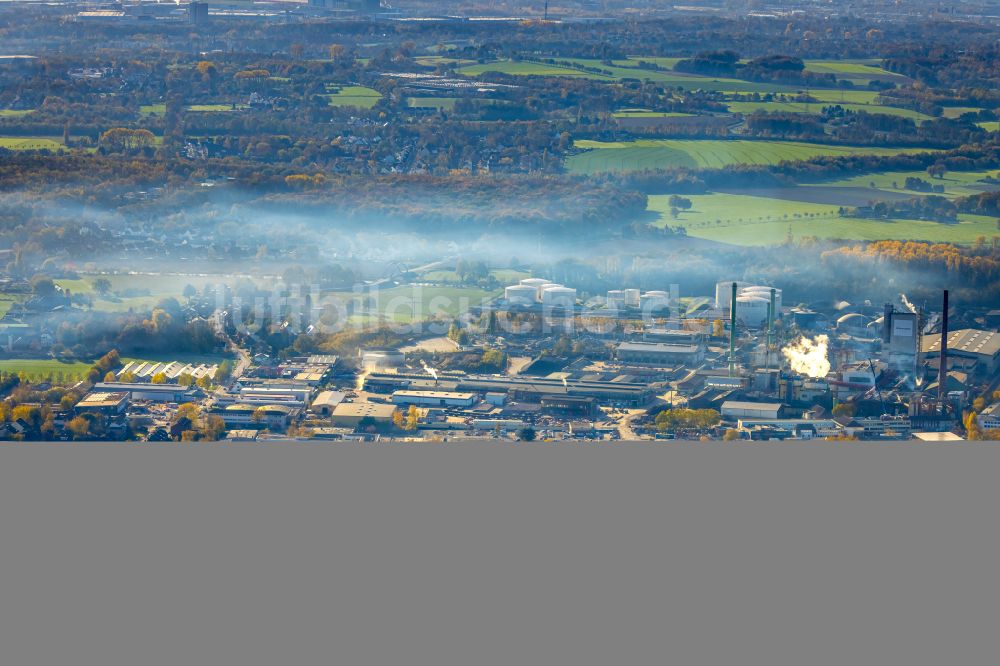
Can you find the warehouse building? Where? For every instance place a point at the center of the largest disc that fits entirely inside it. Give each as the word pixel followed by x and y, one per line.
pixel 151 392
pixel 103 402
pixel 970 343
pixel 326 401
pixel 660 353
pixel 350 414
pixel 434 398
pixel 738 409
pixel 529 389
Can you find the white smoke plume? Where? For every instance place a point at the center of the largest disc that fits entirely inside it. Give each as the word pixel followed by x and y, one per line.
pixel 906 302
pixel 430 371
pixel 809 356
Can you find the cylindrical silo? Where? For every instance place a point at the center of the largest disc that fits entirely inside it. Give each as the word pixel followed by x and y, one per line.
pixel 559 297
pixel 723 291
pixel 520 294
pixel 632 298
pixel 764 292
pixel 752 310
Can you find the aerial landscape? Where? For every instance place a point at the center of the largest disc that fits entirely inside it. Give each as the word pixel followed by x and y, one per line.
pixel 415 221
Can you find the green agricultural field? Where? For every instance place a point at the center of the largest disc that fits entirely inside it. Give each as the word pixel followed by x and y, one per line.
pixel 633 61
pixel 447 103
pixel 158 286
pixel 12 113
pixel 844 96
pixel 521 68
pixel 38 369
pixel 761 220
pixel 6 301
pixel 616 73
pixel 43 368
pixel 215 108
pixel 641 113
pixel 30 143
pixel 956 183
pixel 990 126
pixel 359 96
pixel 410 303
pixel 664 153
pixel 956 111
pixel 434 61
pixel 817 107
pixel 153 109
pixel 860 72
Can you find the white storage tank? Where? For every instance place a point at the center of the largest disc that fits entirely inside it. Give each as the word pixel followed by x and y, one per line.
pixel 655 300
pixel 559 297
pixel 764 292
pixel 616 299
pixel 752 310
pixel 632 299
pixel 534 282
pixel 520 294
pixel 543 287
pixel 724 293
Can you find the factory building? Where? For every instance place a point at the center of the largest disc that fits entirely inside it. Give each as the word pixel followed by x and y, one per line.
pixel 350 414
pixel 737 409
pixel 530 389
pixel 109 403
pixel 434 398
pixel 151 392
pixel 569 406
pixel 982 347
pixel 326 401
pixel 660 353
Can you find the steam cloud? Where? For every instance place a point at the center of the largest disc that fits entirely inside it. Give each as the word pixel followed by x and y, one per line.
pixel 430 371
pixel 809 356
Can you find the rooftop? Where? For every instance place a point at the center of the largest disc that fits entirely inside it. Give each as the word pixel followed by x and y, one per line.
pixel 445 395
pixel 362 409
pixel 103 399
pixel 746 404
pixel 966 340
pixel 664 347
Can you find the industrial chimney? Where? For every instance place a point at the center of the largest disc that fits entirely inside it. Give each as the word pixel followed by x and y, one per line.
pixel 732 333
pixel 943 370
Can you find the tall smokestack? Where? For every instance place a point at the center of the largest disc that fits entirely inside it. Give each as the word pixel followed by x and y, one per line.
pixel 732 333
pixel 943 370
pixel 770 326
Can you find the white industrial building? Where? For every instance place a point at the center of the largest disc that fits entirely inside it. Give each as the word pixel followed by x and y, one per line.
pixel 738 409
pixel 434 398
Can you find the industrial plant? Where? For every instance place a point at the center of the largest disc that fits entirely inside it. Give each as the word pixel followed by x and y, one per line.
pixel 743 363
